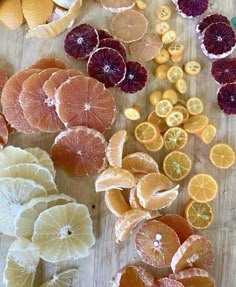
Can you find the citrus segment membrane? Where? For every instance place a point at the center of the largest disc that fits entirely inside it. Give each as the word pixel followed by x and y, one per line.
pixel 61 279
pixel 115 6
pixel 116 202
pixel 64 3
pixel 45 63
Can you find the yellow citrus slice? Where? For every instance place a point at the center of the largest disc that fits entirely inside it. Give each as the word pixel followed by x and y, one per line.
pixel 61 279
pixel 202 188
pixel 207 134
pixel 163 108
pixel 169 37
pixel 156 120
pixel 163 56
pixel 222 156
pixel 156 145
pixel 171 95
pixel 161 71
pixel 116 6
pixel 146 132
pixel 163 12
pixel 11 14
pixel 183 111
pixel 155 97
pixel 181 86
pixel 174 74
pixel 116 202
pixel 194 106
pixel 162 28
pixel 132 113
pixel 175 138
pixel 199 215
pixel 192 68
pixel 174 119
pixel 176 49
pixel 177 165
pixel 196 123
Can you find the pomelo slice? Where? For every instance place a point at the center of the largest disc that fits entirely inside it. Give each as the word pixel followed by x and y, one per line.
pixel 45 63
pixel 61 279
pixel 38 109
pixel 11 14
pixel 12 109
pixel 83 101
pixel 3 131
pixel 3 79
pixel 116 6
pixel 80 151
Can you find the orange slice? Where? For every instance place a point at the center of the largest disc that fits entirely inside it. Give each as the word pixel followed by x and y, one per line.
pixel 175 138
pixel 222 156
pixel 156 145
pixel 196 251
pixel 156 243
pixel 140 162
pixel 174 74
pixel 207 134
pixel 155 97
pixel 174 119
pixel 171 95
pixel 167 282
pixel 202 187
pixel 116 202
pixel 194 106
pixel 163 56
pixel 115 148
pixel 156 120
pixel 199 215
pixel 11 14
pixel 112 177
pixel 196 124
pixel 183 111
pixel 146 132
pixel 163 108
pixel 116 6
pixel 132 113
pixel 129 26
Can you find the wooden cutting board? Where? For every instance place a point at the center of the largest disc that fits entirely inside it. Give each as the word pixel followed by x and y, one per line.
pixel 107 257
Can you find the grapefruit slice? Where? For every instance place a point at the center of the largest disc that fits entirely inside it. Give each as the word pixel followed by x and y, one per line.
pixel 12 109
pixel 61 279
pixel 3 131
pixel 79 151
pixel 38 109
pixel 45 63
pixel 83 101
pixel 3 79
pixel 11 14
pixel 115 6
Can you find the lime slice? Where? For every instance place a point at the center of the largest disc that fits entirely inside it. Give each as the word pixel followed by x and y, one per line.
pixel 63 279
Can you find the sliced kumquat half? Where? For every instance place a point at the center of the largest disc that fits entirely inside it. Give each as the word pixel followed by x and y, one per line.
pixel 183 110
pixel 222 156
pixel 175 138
pixel 174 119
pixel 163 108
pixel 174 74
pixel 146 132
pixel 208 134
pixel 176 49
pixel 116 202
pixel 196 124
pixel 156 120
pixel 163 12
pixel 195 106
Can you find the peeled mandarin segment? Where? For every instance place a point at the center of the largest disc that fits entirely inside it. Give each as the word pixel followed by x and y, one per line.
pixel 116 202
pixel 161 71
pixel 134 200
pixel 181 86
pixel 199 215
pixel 169 37
pixel 162 28
pixel 171 95
pixel 177 165
pixel 163 108
pixel 156 145
pixel 163 56
pixel 116 178
pixel 45 63
pixel 160 122
pixel 176 49
pixel 115 148
pixel 175 138
pixel 61 279
pixel 174 119
pixel 155 97
pixel 192 68
pixel 208 134
pixel 196 123
pixel 146 132
pixel 174 74
pixel 166 282
pixel 132 113
pixel 222 156
pixel 115 6
pixel 156 243
pixel 163 12
pixel 11 14
pixel 194 106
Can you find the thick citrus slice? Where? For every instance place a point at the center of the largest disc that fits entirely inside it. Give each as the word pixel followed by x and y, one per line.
pixel 3 79
pixel 83 101
pixel 140 162
pixel 179 224
pixel 194 106
pixel 79 151
pixel 21 264
pixel 196 251
pixel 196 124
pixel 129 26
pixel 117 178
pixel 222 155
pixel 134 200
pixel 12 109
pixel 116 202
pixel 156 145
pixel 174 118
pixel 146 132
pixel 14 193
pixel 156 243
pixel 115 6
pixel 167 282
pixel 128 221
pixel 26 217
pixel 38 109
pixel 207 134
pixel 199 215
pixel 45 63
pixel 3 131
pixel 158 121
pixel 192 68
pixel 70 229
pixel 175 138
pixel 11 14
pixel 177 165
pixel 115 148
pixel 61 279
pixel 163 108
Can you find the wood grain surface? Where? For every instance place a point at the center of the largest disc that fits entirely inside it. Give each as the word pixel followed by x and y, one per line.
pixel 107 257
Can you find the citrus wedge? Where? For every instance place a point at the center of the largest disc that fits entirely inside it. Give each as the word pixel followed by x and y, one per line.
pixel 222 156
pixel 175 138
pixel 132 113
pixel 116 202
pixel 61 279
pixel 146 132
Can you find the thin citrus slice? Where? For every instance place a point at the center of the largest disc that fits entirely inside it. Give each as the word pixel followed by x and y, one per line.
pixel 194 106
pixel 156 145
pixel 146 132
pixel 71 232
pixel 207 134
pixel 196 123
pixel 79 151
pixel 156 243
pixel 199 215
pixel 177 165
pixel 158 121
pixel 21 264
pixel 61 279
pixel 183 111
pixel 140 162
pixel 222 156
pixel 11 14
pixel 112 177
pixel 167 282
pixel 129 26
pixel 174 118
pixel 115 148
pixel 30 211
pixel 132 113
pixel 45 63
pixel 14 193
pixel 174 74
pixel 128 221
pixel 115 6
pixel 116 202
pixel 179 224
pixel 175 138
pixel 163 108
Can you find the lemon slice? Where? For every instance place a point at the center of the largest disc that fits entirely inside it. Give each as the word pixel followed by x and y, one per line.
pixel 43 159
pixel 22 261
pixel 63 279
pixel 14 192
pixel 31 171
pixel 24 221
pixel 64 232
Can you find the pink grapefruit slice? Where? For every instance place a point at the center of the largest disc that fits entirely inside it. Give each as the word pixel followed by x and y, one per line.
pixel 3 79
pixel 84 101
pixel 80 151
pixel 3 131
pixel 116 6
pixel 38 109
pixel 45 63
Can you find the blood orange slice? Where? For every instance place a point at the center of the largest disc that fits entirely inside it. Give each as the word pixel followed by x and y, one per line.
pixel 12 109
pixel 224 70
pixel 38 109
pixel 116 6
pixel 79 151
pixel 45 63
pixel 166 282
pixel 210 19
pixel 226 97
pixel 156 243
pixel 103 34
pixel 114 44
pixel 191 9
pixel 83 101
pixel 3 131
pixel 3 79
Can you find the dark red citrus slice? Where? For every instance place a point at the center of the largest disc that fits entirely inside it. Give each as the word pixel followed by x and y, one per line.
pixel 191 9
pixel 114 44
pixel 3 79
pixel 46 63
pixel 12 109
pixel 56 79
pixel 224 70
pixel 226 96
pixel 81 41
pixel 3 131
pixel 167 282
pixel 38 109
pixel 218 41
pixel 80 151
pixel 156 243
pixel 107 66
pixel 103 34
pixel 210 19
pixel 83 101
pixel 135 78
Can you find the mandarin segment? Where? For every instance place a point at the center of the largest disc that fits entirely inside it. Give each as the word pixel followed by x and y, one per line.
pixel 208 134
pixel 116 202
